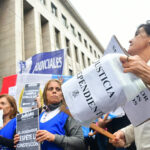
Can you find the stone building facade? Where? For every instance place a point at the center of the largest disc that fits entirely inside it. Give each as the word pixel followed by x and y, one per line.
pixel 28 27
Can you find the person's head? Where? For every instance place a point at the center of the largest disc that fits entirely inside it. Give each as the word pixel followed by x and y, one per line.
pixel 140 44
pixel 52 93
pixel 8 105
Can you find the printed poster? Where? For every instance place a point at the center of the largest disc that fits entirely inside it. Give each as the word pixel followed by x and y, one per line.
pixel 31 92
pixel 27 126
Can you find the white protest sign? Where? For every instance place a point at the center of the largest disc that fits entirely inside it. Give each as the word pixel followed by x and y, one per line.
pixel 1 118
pixel 22 80
pixel 119 112
pixel 100 88
pixel 115 47
pixel 138 109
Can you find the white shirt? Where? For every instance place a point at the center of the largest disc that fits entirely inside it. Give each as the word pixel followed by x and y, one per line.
pixel 49 115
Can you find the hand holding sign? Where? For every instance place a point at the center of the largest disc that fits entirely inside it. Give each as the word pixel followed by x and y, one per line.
pixel 92 125
pixel 43 135
pixel 119 139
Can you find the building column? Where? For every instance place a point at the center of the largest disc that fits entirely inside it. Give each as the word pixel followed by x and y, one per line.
pixel 63 46
pixel 19 33
pixel 38 33
pixel 73 58
pixel 52 36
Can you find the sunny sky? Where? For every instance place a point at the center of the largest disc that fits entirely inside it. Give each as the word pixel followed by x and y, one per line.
pixel 108 17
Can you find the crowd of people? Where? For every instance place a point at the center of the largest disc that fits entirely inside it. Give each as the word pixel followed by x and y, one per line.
pixel 60 131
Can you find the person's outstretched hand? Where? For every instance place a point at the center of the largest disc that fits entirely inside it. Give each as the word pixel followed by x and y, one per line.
pixel 103 122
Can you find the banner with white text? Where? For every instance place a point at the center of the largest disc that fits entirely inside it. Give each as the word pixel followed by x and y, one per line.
pixel 44 63
pixel 27 126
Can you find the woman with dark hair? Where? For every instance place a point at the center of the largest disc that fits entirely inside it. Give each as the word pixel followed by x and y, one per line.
pixel 9 107
pixel 137 64
pixel 58 131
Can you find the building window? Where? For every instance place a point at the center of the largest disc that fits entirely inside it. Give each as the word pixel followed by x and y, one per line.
pixel 64 20
pixel 91 49
pixel 85 43
pixel 70 72
pixel 76 53
pixel 83 59
pixel 43 2
pixel 54 9
pixel 79 36
pixel 89 62
pixel 68 46
pixel 57 38
pixel 73 29
pixel 95 54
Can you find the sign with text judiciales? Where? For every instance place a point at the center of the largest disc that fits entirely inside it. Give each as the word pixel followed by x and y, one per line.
pixel 44 63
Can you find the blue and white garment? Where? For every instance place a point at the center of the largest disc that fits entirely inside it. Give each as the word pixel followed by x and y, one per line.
pixel 8 132
pixel 54 125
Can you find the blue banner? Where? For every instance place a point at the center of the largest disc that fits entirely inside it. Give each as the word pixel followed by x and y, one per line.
pixel 44 63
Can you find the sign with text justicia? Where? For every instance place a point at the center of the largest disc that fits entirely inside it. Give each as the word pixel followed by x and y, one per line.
pixel 44 63
pixel 100 89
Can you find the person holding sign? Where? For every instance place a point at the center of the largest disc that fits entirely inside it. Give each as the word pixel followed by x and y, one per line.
pixel 57 130
pixel 9 107
pixel 139 50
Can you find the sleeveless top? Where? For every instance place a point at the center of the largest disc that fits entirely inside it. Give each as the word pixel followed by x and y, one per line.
pixel 55 126
pixel 8 132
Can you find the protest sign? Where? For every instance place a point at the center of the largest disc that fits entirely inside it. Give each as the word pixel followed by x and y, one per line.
pixel 30 93
pixel 100 88
pixel 1 118
pixel 119 112
pixel 114 46
pixel 138 109
pixel 25 79
pixel 44 63
pixel 27 126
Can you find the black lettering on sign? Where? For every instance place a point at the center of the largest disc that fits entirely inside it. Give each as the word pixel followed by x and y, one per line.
pixel 104 79
pixel 87 94
pixel 140 97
